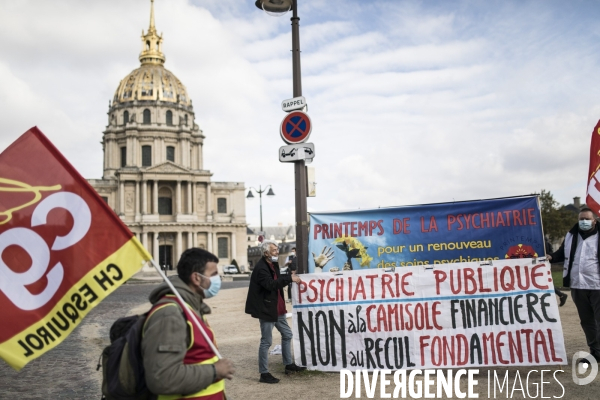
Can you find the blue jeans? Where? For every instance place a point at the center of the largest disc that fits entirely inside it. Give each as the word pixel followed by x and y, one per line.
pixel 266 339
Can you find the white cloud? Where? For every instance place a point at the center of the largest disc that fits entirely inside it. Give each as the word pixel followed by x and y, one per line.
pixel 411 102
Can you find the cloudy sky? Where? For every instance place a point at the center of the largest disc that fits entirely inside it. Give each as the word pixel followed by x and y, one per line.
pixel 412 102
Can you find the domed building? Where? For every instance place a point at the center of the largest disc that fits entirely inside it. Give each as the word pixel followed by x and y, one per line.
pixel 154 176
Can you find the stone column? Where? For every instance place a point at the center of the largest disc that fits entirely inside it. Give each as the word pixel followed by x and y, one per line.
pixel 137 199
pixel 209 243
pixel 208 201
pixel 188 162
pixel 192 156
pixel 105 148
pixel 200 156
pixel 194 197
pixel 233 246
pixel 155 197
pixel 116 161
pixel 144 239
pixel 134 152
pixel 129 151
pixel 121 197
pixel 190 236
pixel 178 245
pixel 178 209
pixel 189 197
pixel 156 151
pixel 155 247
pixel 144 197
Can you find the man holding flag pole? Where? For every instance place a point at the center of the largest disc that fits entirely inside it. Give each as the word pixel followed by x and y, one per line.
pixel 580 252
pixel 63 250
pixel 177 361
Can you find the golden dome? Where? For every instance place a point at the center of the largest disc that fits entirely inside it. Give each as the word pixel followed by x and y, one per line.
pixel 151 81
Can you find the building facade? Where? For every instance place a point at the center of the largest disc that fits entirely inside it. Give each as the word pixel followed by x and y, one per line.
pixel 278 234
pixel 154 176
pixel 284 236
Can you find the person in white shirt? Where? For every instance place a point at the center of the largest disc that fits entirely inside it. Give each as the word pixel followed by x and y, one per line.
pixel 579 252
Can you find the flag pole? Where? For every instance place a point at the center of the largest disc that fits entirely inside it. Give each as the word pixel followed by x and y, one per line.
pixel 186 310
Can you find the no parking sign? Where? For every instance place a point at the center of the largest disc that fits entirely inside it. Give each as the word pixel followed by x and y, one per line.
pixel 295 127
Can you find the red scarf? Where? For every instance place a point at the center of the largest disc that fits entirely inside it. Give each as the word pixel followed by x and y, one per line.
pixel 281 310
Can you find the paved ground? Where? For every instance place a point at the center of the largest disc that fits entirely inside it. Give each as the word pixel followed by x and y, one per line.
pixel 69 371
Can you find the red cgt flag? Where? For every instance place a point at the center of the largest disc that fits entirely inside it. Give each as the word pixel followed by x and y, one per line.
pixel 592 199
pixel 62 249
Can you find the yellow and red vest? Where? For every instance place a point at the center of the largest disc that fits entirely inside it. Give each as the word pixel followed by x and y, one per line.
pixel 198 352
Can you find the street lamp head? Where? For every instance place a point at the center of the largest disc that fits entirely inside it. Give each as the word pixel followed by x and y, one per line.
pixel 274 7
pixel 270 192
pixel 250 195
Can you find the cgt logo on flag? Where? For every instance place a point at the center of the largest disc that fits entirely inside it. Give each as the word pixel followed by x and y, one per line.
pixel 62 250
pixel 14 284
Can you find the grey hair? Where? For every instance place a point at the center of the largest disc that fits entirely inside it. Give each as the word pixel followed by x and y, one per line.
pixel 264 247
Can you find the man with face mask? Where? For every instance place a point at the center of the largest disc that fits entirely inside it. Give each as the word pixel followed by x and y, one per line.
pixel 580 251
pixel 265 302
pixel 177 358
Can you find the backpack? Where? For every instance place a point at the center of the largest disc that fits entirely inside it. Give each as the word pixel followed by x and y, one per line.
pixel 123 376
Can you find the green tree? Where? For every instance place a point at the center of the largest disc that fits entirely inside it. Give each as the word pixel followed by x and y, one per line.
pixel 233 262
pixel 555 218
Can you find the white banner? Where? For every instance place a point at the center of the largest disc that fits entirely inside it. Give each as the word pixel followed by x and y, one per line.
pixel 461 315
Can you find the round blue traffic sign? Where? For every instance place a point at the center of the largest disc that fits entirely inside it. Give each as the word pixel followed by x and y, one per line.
pixel 295 127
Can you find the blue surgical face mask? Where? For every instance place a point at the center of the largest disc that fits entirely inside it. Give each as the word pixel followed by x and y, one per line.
pixel 585 224
pixel 213 289
pixel 274 258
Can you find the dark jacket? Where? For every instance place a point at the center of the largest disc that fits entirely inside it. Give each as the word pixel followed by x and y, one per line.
pixel 559 255
pixel 293 264
pixel 263 291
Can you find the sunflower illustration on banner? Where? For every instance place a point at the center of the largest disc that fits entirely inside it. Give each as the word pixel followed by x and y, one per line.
pixel 353 249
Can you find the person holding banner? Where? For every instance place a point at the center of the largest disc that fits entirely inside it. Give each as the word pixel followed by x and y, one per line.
pixel 580 252
pixel 177 358
pixel 265 302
